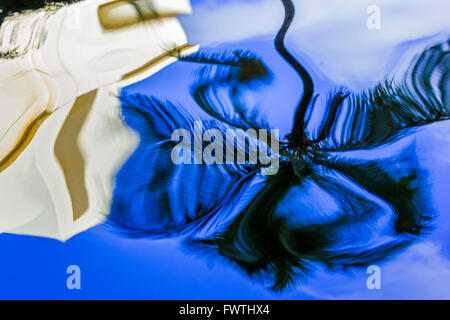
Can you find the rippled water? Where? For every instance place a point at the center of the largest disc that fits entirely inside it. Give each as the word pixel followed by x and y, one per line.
pixel 363 176
pixel 351 190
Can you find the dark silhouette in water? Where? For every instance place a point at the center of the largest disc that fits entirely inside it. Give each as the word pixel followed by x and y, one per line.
pixel 297 138
pixel 264 224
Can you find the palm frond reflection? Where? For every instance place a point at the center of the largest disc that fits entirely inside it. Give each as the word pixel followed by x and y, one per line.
pixel 272 227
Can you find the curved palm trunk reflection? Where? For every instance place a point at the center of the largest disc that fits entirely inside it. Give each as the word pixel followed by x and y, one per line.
pixel 276 228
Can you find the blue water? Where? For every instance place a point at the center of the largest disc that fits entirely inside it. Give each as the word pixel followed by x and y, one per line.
pixel 116 266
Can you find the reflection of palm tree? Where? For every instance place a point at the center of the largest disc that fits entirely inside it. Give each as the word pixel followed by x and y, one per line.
pixel 297 137
pixel 380 204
